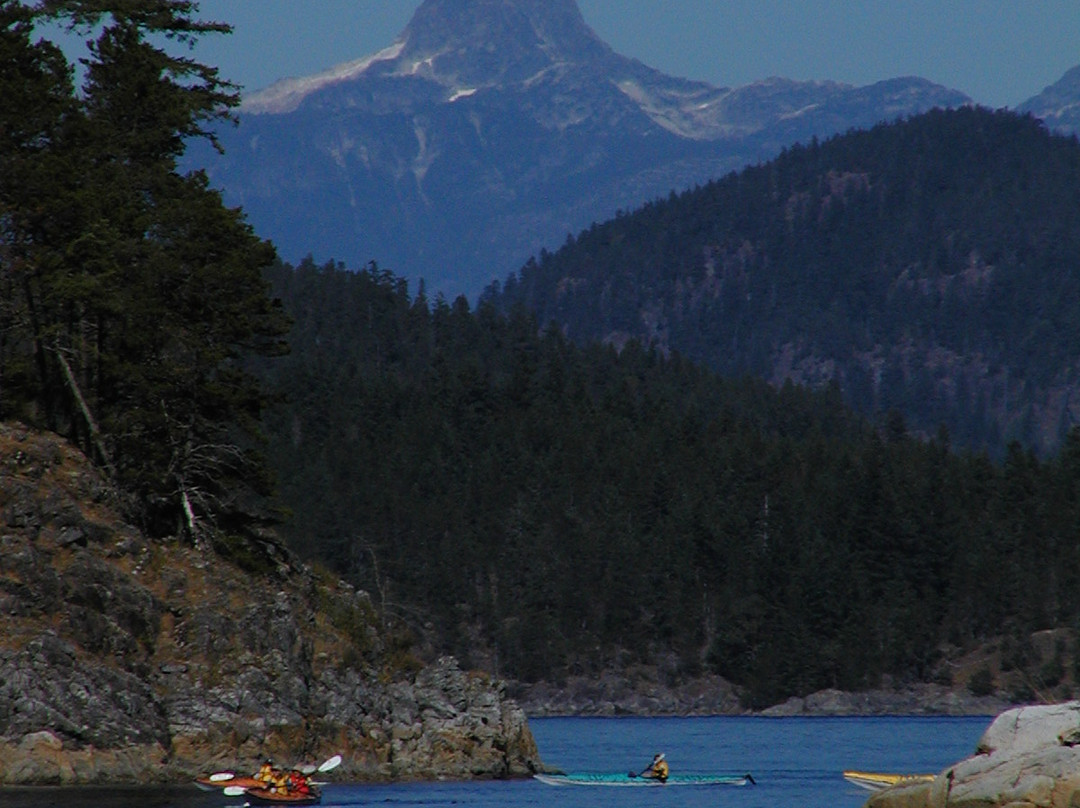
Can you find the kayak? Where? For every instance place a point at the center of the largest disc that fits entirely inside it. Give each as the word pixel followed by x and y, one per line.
pixel 215 783
pixel 876 781
pixel 266 796
pixel 256 790
pixel 612 779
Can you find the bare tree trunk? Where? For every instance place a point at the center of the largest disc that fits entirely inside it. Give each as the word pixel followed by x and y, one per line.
pixel 379 584
pixel 190 520
pixel 95 433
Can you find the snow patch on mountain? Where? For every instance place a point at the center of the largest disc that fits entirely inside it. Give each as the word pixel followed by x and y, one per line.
pixel 462 93
pixel 286 95
pixel 787 116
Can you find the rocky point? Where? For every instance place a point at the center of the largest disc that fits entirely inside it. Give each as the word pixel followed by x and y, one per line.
pixel 130 660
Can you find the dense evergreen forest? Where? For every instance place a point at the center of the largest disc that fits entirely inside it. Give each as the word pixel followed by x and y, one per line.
pixel 931 265
pixel 545 508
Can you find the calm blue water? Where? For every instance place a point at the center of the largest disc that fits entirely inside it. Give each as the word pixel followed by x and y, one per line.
pixel 796 762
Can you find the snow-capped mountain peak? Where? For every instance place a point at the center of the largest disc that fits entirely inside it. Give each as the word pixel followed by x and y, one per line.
pixel 490 128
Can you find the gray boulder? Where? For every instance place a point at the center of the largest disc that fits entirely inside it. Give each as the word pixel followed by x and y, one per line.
pixel 1029 757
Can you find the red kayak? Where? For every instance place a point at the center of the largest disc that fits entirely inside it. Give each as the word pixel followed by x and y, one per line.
pixel 268 796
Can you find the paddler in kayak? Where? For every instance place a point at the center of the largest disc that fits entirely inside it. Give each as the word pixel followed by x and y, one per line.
pixel 266 772
pixel 658 769
pixel 298 783
pixel 279 783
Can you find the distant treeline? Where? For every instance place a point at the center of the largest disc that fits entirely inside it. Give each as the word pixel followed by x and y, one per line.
pixel 556 509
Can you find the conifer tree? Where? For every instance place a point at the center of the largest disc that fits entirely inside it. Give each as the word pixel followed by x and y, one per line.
pixel 142 293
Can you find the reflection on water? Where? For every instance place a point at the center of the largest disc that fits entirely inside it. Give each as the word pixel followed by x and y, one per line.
pixel 115 797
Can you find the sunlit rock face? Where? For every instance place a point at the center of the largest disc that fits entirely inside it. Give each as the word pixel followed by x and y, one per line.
pixel 130 660
pixel 1029 756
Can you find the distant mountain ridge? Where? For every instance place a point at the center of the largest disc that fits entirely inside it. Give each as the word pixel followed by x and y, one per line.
pixel 492 128
pixel 1058 106
pixel 926 267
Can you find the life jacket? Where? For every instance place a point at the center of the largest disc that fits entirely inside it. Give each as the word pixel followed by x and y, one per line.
pixel 280 783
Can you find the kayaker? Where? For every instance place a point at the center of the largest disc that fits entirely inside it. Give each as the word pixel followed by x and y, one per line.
pixel 279 784
pixel 298 783
pixel 658 769
pixel 266 771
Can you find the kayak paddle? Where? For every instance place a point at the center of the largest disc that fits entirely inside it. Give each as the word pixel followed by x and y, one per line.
pixel 325 766
pixel 330 763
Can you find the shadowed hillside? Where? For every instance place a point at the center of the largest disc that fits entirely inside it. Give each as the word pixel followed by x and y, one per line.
pixel 928 266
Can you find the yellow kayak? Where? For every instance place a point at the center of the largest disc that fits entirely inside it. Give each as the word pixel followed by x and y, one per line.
pixel 875 781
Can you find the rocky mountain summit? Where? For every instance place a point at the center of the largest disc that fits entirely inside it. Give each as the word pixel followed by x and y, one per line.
pixel 125 660
pixel 492 128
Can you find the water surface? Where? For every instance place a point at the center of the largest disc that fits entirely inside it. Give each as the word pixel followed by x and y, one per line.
pixel 796 762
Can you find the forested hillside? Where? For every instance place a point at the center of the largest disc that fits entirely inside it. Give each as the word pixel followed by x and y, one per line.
pixel 542 508
pixel 929 266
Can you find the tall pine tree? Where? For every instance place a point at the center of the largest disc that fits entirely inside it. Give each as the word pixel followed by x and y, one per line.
pixel 141 293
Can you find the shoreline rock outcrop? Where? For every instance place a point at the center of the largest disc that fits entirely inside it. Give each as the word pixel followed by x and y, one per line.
pixel 920 699
pixel 125 660
pixel 639 692
pixel 1029 757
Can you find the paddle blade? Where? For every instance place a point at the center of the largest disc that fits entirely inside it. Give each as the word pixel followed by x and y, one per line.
pixel 331 763
pixel 217 777
pixel 234 791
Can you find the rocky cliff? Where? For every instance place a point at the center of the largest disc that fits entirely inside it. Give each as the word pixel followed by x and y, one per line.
pixel 124 660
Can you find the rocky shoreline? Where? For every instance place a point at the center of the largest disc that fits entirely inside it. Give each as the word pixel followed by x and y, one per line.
pixel 643 694
pixel 921 699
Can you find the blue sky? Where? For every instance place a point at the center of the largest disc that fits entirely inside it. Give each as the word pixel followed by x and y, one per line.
pixel 1000 53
